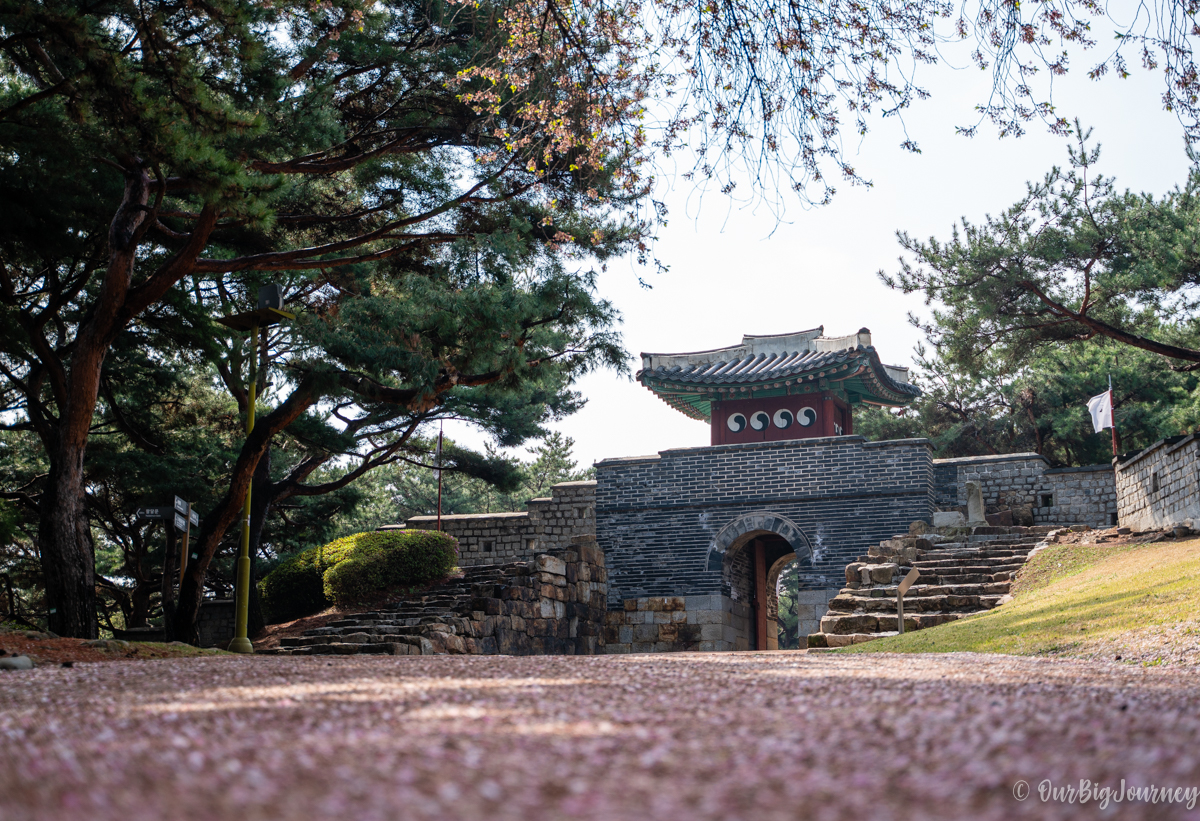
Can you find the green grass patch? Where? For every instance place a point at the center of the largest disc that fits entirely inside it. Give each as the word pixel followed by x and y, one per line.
pixel 1075 600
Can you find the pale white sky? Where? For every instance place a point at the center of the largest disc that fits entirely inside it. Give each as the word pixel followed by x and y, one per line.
pixel 735 270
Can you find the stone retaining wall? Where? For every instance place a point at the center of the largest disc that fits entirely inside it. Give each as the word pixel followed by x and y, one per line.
pixel 665 624
pixel 1160 486
pixel 215 622
pixel 1083 495
pixel 547 524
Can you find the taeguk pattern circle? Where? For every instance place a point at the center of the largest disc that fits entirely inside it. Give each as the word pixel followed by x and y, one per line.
pixel 736 422
pixel 783 419
pixel 760 420
pixel 806 416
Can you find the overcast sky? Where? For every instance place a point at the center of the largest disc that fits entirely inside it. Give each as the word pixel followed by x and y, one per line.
pixel 736 270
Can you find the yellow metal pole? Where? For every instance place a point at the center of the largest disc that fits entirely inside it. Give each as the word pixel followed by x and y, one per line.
pixel 240 643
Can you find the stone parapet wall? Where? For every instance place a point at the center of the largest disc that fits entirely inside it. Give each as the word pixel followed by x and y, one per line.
pixel 666 624
pixel 548 524
pixel 658 518
pixel 1084 495
pixel 1160 486
pixel 1080 496
pixel 215 622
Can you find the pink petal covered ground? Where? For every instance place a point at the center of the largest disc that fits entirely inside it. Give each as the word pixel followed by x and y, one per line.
pixel 684 736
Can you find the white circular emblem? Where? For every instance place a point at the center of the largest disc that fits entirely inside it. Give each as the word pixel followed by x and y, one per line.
pixel 806 416
pixel 759 420
pixel 736 422
pixel 783 419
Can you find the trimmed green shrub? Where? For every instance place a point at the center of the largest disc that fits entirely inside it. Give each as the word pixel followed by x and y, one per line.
pixel 293 589
pixel 378 562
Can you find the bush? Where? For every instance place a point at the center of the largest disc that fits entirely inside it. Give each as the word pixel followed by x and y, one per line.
pixel 293 589
pixel 379 562
pixel 367 565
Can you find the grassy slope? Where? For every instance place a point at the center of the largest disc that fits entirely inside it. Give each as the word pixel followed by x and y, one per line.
pixel 1135 603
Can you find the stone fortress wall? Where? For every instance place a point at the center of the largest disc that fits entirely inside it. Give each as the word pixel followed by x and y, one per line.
pixel 1160 486
pixel 550 523
pixel 1068 496
pixel 671 525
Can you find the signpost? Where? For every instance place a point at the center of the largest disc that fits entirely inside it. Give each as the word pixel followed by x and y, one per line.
pixel 906 583
pixel 179 518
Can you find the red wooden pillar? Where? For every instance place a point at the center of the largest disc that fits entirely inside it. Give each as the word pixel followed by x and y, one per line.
pixel 760 595
pixel 828 414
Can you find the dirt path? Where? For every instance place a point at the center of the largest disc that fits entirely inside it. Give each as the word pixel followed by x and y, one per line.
pixel 738 737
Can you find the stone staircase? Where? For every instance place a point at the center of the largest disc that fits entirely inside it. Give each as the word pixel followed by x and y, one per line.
pixel 963 571
pixel 553 603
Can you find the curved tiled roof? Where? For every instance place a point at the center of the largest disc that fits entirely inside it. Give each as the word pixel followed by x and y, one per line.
pixel 773 365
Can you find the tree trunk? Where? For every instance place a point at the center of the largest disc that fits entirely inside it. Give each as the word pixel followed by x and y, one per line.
pixel 139 612
pixel 64 537
pixel 67 553
pixel 228 510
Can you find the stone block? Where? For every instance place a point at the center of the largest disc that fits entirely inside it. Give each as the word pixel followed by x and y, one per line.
pixel 673 603
pixel 853 572
pixel 882 573
pixel 949 518
pixel 551 565
pixel 645 632
pixel 712 632
pixel 710 602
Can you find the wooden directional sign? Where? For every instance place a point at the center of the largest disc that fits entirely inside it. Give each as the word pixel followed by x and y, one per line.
pixel 181 506
pixel 181 522
pixel 195 517
pixel 909 580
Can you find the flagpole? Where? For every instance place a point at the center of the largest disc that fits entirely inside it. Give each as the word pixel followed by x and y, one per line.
pixel 439 475
pixel 1112 412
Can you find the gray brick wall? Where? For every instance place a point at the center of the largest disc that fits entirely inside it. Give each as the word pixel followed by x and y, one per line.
pixel 548 524
pixel 657 516
pixel 1160 486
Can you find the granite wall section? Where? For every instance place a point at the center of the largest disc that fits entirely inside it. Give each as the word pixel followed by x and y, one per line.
pixel 551 523
pixel 1160 486
pixel 1083 495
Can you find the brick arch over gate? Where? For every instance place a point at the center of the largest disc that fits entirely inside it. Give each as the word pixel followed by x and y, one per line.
pixel 751 524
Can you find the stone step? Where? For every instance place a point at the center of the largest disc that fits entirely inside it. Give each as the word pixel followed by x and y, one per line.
pixel 963 578
pixel 918 590
pixel 883 622
pixel 953 561
pixel 950 602
pixel 959 569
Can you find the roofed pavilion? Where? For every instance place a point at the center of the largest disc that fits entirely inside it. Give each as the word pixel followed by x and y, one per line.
pixel 772 388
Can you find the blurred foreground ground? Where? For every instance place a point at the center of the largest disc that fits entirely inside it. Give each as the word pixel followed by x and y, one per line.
pixel 682 736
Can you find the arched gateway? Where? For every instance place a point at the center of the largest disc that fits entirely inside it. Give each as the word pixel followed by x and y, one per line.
pixel 750 552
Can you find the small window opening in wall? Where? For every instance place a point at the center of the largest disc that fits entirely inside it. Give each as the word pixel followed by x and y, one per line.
pixel 1112 519
pixel 1154 483
pixel 1047 500
pixel 488 546
pixel 531 545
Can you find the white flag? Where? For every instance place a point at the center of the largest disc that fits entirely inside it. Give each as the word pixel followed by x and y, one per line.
pixel 1100 407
